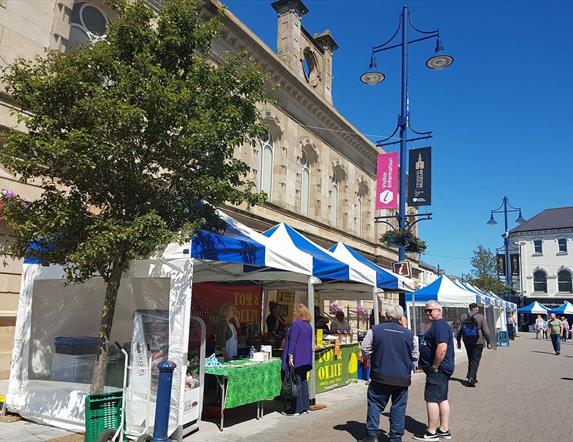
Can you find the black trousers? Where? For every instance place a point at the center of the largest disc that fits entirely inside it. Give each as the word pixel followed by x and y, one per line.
pixel 474 352
pixel 302 402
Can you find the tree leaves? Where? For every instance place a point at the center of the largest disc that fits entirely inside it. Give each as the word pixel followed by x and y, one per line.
pixel 128 135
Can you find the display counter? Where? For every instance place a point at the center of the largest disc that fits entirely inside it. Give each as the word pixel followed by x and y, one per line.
pixel 336 366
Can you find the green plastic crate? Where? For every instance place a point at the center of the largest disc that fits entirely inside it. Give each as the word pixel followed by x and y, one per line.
pixel 103 411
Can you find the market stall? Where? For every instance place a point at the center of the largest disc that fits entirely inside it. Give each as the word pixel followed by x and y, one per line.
pixel 50 375
pixel 452 297
pixel 526 312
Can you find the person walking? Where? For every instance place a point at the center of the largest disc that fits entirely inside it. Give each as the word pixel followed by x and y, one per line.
pixel 511 326
pixel 555 331
pixel 475 333
pixel 297 355
pixel 546 328
pixel 538 327
pixel 565 323
pixel 437 361
pixel 389 346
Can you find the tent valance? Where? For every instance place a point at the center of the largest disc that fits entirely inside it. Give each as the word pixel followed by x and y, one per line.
pixel 381 278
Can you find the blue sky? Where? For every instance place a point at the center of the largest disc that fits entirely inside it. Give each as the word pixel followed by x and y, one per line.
pixel 501 115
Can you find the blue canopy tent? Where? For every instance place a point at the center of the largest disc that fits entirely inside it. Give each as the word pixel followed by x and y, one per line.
pixel 385 279
pixel 161 283
pixel 535 308
pixel 453 298
pixel 565 309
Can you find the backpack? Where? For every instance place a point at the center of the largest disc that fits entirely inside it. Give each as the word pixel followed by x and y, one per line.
pixel 470 328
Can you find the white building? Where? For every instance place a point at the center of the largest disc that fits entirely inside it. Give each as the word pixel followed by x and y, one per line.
pixel 545 248
pixel 428 274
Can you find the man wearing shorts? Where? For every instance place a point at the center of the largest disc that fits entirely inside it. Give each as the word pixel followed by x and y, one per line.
pixel 437 361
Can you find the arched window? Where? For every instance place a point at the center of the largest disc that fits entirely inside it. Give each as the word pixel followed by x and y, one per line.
pixel 564 282
pixel 334 203
pixel 540 281
pixel 358 216
pixel 305 183
pixel 266 166
pixel 88 24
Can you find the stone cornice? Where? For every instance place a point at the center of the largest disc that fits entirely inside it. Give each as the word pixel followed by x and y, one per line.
pixel 310 109
pixel 535 233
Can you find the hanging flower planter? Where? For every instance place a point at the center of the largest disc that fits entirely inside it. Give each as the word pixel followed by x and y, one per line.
pixel 403 238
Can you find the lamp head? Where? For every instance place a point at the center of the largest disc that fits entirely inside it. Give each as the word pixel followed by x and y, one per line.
pixel 373 76
pixel 439 60
pixel 520 219
pixel 491 222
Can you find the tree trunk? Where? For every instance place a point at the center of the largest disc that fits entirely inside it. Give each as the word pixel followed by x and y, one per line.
pixel 112 288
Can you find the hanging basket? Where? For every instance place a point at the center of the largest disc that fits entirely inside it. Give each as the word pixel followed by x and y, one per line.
pixel 403 238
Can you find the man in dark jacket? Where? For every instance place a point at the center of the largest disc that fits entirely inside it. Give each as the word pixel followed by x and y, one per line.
pixel 389 346
pixel 475 333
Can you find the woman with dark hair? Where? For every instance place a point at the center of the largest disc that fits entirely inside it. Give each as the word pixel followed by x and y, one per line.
pixel 297 356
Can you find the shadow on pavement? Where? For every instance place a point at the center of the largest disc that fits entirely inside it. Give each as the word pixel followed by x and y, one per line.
pixel 567 379
pixel 461 381
pixel 356 429
pixel 238 415
pixel 545 352
pixel 412 425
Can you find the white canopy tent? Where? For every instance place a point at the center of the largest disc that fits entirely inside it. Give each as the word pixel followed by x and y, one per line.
pixel 44 389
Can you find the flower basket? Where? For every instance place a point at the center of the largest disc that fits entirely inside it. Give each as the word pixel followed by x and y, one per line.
pixel 403 238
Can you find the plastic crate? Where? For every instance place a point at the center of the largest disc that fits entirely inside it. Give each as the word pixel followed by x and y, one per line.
pixel 103 412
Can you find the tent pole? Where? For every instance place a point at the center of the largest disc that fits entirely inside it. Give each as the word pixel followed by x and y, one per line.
pixel 376 305
pixel 312 386
pixel 414 327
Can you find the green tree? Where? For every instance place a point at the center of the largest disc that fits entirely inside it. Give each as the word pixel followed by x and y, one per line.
pixel 128 136
pixel 484 272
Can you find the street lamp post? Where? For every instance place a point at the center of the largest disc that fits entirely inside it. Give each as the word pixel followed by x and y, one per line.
pixel 438 61
pixel 506 208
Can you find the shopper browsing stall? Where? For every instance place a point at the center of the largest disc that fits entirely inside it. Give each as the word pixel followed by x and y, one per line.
pixel 297 356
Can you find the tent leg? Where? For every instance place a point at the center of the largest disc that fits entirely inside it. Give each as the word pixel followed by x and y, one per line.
pixel 376 305
pixel 312 386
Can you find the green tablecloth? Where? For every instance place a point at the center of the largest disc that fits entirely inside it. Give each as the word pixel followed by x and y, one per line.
pixel 248 383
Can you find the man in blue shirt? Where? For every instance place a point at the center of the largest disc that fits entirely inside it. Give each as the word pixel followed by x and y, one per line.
pixel 389 346
pixel 437 361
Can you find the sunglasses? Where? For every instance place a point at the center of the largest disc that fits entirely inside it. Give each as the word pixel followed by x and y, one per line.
pixel 429 310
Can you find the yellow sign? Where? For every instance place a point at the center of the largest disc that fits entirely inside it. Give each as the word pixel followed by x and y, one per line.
pixel 319 334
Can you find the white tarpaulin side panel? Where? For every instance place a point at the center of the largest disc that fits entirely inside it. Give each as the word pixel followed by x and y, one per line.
pixel 52 362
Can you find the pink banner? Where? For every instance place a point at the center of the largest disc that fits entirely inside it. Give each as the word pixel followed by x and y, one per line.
pixel 387 181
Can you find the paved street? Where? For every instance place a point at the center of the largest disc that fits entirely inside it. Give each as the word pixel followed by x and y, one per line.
pixel 523 395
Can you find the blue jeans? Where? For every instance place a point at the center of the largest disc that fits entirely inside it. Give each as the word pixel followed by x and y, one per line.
pixel 556 341
pixel 378 397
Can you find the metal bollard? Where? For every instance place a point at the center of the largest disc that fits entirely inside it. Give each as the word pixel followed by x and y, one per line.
pixel 161 425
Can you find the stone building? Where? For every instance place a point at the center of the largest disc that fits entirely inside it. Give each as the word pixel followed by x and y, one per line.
pixel 317 168
pixel 544 245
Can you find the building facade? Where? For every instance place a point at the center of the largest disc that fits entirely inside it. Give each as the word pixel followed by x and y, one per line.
pixel 318 170
pixel 544 245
